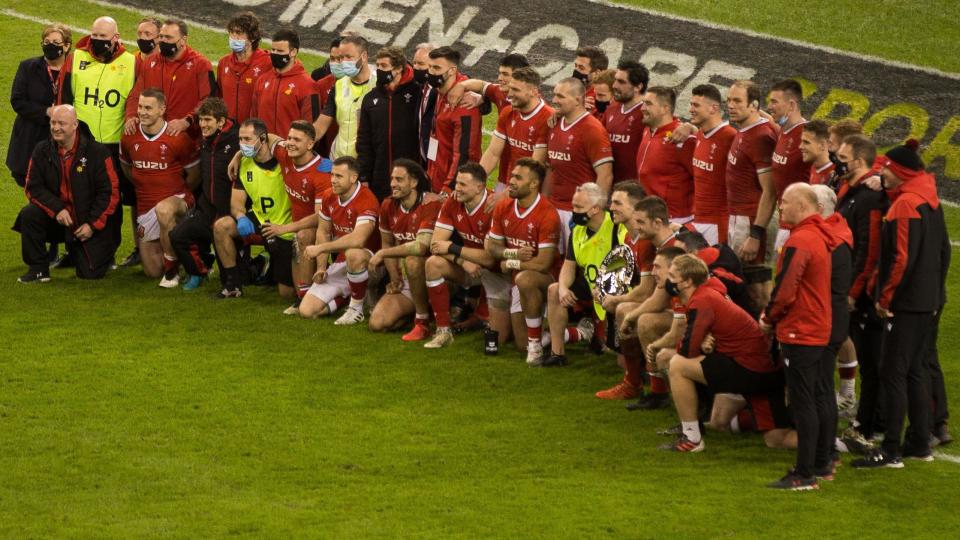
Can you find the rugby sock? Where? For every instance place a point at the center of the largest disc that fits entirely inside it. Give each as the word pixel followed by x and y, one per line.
pixel 198 260
pixel 571 335
pixel 848 378
pixel 633 358
pixel 336 303
pixel 169 263
pixel 534 330
pixel 483 311
pixel 658 385
pixel 421 318
pixel 302 289
pixel 439 296
pixel 691 430
pixel 358 288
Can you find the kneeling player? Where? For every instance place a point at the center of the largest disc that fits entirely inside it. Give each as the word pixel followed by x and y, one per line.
pixel 524 237
pixel 260 179
pixel 740 360
pixel 163 170
pixel 458 256
pixel 348 218
pixel 406 227
pixel 762 413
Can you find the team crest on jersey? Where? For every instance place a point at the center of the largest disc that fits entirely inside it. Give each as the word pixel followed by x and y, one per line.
pixel 136 147
pixel 256 71
pixel 226 149
pixel 289 89
pixel 303 183
pixel 189 64
pixel 84 64
pixel 266 84
pixel 459 217
pixel 529 228
pixel 570 139
pixel 226 69
pixel 479 223
pixel 406 97
pixel 375 100
pixel 153 63
pixel 163 149
pixel 513 123
pixel 349 214
pixel 83 164
pixel 530 131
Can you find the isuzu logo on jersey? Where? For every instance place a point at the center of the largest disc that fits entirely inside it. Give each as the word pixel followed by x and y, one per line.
pixel 700 164
pixel 781 160
pixel 559 156
pixel 523 145
pixel 836 84
pixel 155 165
pixel 619 138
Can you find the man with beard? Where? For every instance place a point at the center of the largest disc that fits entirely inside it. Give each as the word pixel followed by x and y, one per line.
pixel 624 120
pixel 665 168
pixel 814 149
pixel 285 93
pixel 714 137
pixel 239 71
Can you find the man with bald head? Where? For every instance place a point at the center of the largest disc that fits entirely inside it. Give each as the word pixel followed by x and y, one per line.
pixel 578 151
pixel 96 79
pixel 800 314
pixel 72 188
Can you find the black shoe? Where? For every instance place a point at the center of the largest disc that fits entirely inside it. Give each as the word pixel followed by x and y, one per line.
pixel 555 360
pixel 63 261
pixel 235 292
pixel 650 402
pixel 826 472
pixel 794 482
pixel 919 454
pixel 35 276
pixel 877 459
pixel 942 433
pixel 132 259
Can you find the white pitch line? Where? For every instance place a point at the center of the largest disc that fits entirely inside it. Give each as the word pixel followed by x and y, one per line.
pixel 800 43
pixel 946 457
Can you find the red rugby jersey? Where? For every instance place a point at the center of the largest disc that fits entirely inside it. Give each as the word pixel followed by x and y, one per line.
pixel 344 215
pixel 665 168
pixel 643 253
pixel 537 226
pixel 403 224
pixel 522 135
pixel 158 162
pixel 304 184
pixel 821 175
pixel 574 150
pixel 625 128
pixel 750 154
pixel 787 164
pixel 471 226
pixel 710 171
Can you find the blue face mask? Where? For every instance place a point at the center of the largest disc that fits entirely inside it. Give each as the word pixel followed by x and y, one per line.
pixel 238 45
pixel 782 121
pixel 336 68
pixel 248 150
pixel 350 68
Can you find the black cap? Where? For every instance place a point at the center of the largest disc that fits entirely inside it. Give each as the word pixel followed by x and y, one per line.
pixel 906 155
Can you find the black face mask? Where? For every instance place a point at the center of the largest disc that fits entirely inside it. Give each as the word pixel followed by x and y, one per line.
pixel 168 50
pixel 384 77
pixel 601 105
pixel 584 78
pixel 435 81
pixel 671 288
pixel 420 76
pixel 146 45
pixel 52 51
pixel 101 48
pixel 579 218
pixel 279 61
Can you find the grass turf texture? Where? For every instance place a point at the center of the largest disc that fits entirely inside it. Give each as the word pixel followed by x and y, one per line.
pixel 131 411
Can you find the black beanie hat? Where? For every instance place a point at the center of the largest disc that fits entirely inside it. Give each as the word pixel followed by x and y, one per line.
pixel 906 155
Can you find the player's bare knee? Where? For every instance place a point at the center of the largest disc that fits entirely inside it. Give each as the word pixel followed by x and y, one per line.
pixel 305 237
pixel 433 268
pixel 553 295
pixel 357 259
pixel 414 266
pixel 223 227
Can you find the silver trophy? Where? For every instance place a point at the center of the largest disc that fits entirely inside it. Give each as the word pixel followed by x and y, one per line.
pixel 615 273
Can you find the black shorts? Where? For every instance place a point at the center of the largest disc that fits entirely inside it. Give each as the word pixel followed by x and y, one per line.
pixel 769 410
pixel 725 376
pixel 280 250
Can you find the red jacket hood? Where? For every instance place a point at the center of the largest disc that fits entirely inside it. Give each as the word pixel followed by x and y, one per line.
pixel 837 226
pixel 815 223
pixel 923 185
pixel 84 44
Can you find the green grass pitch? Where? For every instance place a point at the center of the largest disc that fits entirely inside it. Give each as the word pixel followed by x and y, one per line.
pixel 129 411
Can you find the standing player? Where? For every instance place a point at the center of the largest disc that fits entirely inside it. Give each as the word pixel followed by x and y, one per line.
pixel 238 71
pixel 624 120
pixel 348 219
pixel 578 151
pixel 814 148
pixel 751 194
pixel 306 175
pixel 286 92
pixel 496 93
pixel 459 256
pixel 587 63
pixel 455 134
pixel 163 169
pixel 714 137
pixel 406 228
pixel 521 131
pixel 260 181
pixel 788 166
pixel 523 237
pixel 665 168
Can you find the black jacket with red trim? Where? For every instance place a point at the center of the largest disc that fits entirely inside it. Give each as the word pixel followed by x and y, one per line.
pixel 863 208
pixel 841 274
pixel 800 306
pixel 92 181
pixel 724 265
pixel 389 130
pixel 915 250
pixel 216 151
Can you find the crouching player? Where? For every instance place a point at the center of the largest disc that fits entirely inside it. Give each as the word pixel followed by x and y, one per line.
pixel 524 237
pixel 348 218
pixel 458 256
pixel 740 362
pixel 406 227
